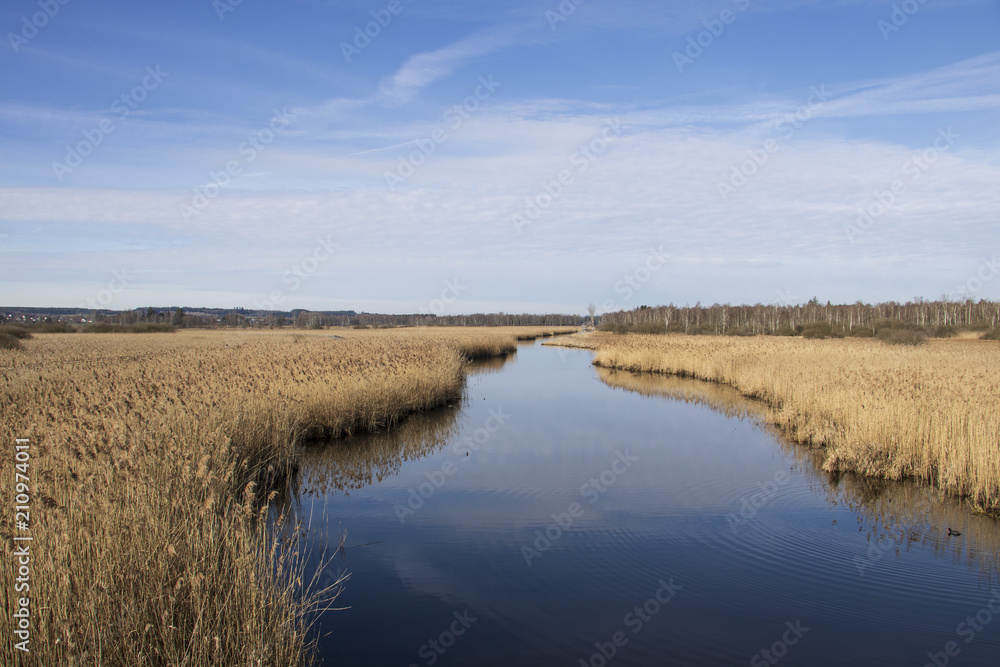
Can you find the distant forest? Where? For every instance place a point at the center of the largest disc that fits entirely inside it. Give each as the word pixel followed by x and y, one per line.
pixel 179 317
pixel 935 317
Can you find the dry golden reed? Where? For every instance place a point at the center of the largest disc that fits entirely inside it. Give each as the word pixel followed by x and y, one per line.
pixel 155 461
pixel 930 413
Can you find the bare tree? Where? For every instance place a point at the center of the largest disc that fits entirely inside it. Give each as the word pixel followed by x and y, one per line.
pixel 591 310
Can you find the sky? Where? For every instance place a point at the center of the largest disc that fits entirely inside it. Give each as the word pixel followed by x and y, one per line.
pixel 447 156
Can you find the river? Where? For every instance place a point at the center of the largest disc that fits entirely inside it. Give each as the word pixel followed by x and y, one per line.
pixel 561 514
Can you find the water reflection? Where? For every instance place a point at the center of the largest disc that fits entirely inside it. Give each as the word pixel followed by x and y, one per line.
pixel 489 365
pixel 722 399
pixel 892 515
pixel 895 516
pixel 719 397
pixel 362 460
pixel 365 459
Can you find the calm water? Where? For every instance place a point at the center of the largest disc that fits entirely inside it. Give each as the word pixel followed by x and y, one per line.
pixel 562 515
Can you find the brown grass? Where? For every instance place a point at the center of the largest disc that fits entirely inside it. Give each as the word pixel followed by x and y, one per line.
pixel 155 463
pixel 930 413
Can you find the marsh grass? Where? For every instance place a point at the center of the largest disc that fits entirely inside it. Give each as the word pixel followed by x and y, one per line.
pixel 158 463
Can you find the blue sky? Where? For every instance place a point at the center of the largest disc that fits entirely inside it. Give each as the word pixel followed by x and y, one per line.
pixel 526 156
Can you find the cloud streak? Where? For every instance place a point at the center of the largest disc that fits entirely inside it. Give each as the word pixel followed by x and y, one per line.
pixel 423 69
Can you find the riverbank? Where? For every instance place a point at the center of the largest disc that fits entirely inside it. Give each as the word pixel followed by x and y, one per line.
pixel 930 413
pixel 154 458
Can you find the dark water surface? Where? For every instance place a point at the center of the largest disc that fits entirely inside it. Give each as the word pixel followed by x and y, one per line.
pixel 689 535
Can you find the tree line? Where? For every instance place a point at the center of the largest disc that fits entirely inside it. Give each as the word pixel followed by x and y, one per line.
pixel 721 319
pixel 242 318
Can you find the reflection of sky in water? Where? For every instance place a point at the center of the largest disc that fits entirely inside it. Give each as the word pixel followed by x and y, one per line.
pixel 672 513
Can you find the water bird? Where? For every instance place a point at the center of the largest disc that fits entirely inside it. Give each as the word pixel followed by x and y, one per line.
pixel 953 533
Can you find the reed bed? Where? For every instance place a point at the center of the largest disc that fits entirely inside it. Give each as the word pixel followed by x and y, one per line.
pixel 477 343
pixel 930 413
pixel 157 467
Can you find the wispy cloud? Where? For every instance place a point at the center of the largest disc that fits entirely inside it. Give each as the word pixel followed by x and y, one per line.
pixel 424 69
pixel 968 85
